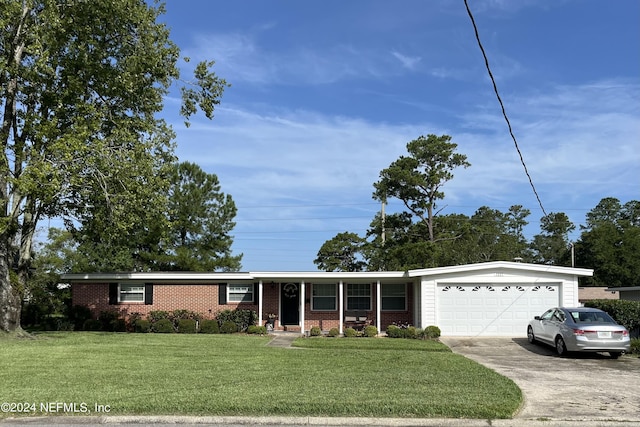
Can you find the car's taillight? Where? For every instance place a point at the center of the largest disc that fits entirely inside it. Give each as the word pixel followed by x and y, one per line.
pixel 578 332
pixel 624 333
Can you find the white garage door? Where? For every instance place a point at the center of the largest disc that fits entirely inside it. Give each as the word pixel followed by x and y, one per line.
pixel 492 310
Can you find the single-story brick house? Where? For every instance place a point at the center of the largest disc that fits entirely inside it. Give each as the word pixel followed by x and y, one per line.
pixel 629 293
pixel 587 293
pixel 486 299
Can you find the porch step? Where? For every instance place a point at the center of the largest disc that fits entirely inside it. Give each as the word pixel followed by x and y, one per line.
pixel 292 328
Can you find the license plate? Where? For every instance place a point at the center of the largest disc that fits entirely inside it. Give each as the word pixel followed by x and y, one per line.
pixel 606 334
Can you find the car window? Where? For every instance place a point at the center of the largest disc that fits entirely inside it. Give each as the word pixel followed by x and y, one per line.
pixel 559 316
pixel 547 314
pixel 592 317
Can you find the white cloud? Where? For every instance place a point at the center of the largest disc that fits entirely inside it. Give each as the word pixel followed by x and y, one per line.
pixel 409 62
pixel 313 173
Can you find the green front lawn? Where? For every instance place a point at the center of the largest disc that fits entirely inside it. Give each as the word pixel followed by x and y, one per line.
pixel 157 374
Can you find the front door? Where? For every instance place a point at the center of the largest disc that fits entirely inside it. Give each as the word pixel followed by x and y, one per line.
pixel 290 304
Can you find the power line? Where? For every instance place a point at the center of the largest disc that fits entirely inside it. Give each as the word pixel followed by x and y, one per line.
pixel 504 113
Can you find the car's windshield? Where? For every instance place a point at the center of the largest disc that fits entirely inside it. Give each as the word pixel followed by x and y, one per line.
pixel 591 317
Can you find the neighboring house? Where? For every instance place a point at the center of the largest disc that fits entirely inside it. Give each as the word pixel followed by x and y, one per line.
pixel 630 293
pixel 487 299
pixel 587 293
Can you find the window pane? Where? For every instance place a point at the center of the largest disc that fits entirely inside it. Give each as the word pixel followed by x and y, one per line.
pixel 131 297
pixel 393 290
pixel 324 290
pixel 324 296
pixel 324 303
pixel 358 303
pixel 359 296
pixel 240 293
pixel 393 297
pixel 131 293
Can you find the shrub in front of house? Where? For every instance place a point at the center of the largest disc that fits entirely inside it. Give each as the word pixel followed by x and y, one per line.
pixel 109 320
pixel 635 346
pixel 78 314
pixel 315 331
pixel 257 330
pixel 92 325
pixel 132 319
pixel 156 315
pixel 370 331
pixel 394 331
pixel 242 318
pixel 228 327
pixel 411 332
pixel 350 333
pixel 209 326
pixel 431 332
pixel 163 326
pixel 142 326
pixel 334 332
pixel 187 326
pixel 177 315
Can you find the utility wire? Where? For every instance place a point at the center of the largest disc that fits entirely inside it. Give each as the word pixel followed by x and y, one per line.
pixel 504 113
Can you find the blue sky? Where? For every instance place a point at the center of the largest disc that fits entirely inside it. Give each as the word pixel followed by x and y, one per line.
pixel 325 94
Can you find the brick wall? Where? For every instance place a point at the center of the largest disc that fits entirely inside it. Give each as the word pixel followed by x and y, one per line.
pixel 200 298
pixel 203 299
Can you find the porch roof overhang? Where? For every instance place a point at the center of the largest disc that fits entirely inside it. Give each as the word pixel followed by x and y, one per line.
pixel 311 276
pixel 193 277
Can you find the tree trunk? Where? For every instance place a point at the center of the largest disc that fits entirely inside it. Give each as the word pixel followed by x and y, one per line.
pixel 10 304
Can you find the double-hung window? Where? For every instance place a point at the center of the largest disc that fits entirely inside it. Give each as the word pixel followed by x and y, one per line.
pixel 359 296
pixel 240 293
pixel 131 293
pixel 394 297
pixel 323 297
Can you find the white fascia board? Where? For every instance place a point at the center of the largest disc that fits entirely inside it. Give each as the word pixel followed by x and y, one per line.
pixel 156 277
pixel 504 265
pixel 329 275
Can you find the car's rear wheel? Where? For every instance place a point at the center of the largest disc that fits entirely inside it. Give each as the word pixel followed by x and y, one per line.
pixel 530 336
pixel 561 348
pixel 614 354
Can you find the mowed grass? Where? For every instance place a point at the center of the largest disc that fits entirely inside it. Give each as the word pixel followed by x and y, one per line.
pixel 176 374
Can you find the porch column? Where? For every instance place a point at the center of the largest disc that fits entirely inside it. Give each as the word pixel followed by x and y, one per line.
pixel 260 299
pixel 378 304
pixel 341 305
pixel 302 305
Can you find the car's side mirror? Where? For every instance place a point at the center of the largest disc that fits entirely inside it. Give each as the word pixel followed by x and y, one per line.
pixel 537 318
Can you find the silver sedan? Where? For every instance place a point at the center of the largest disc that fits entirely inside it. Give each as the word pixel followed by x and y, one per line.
pixel 579 329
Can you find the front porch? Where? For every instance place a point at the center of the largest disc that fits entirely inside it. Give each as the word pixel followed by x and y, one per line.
pixel 297 306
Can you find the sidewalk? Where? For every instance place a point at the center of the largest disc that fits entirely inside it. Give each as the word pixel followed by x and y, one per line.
pixel 303 421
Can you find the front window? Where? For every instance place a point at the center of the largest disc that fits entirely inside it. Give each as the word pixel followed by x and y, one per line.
pixel 394 297
pixel 359 297
pixel 240 293
pixel 323 297
pixel 131 293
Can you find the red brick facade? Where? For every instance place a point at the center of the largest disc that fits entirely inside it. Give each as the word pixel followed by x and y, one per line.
pixel 205 299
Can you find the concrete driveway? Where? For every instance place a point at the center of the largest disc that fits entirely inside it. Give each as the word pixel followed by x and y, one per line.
pixel 578 387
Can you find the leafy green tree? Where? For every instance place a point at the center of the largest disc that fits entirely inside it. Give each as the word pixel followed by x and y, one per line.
pixel 80 85
pixel 343 252
pixel 200 220
pixel 45 299
pixel 551 247
pixel 610 243
pixel 417 179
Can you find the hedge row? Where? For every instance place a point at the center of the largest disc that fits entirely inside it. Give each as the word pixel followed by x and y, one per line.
pixel 180 321
pixel 626 313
